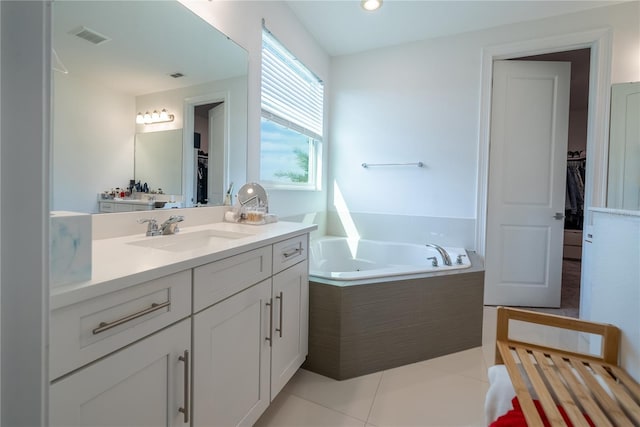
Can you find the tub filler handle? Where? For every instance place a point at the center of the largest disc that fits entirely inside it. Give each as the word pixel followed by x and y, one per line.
pixel 434 261
pixel 459 259
pixel 446 260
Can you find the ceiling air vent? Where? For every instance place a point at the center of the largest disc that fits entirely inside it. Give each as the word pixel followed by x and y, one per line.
pixel 90 35
pixel 176 75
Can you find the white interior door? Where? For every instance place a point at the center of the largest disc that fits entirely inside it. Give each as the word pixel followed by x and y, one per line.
pixel 217 154
pixel 527 181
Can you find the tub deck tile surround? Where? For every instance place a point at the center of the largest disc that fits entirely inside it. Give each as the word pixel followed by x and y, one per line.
pixel 360 329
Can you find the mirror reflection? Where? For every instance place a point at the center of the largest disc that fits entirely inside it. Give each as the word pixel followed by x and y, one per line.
pixel 624 147
pixel 158 159
pixel 113 60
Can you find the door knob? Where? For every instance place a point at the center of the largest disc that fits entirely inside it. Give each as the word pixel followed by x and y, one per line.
pixel 558 216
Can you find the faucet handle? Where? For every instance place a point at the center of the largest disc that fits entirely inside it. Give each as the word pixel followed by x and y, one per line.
pixel 434 261
pixel 459 258
pixel 152 226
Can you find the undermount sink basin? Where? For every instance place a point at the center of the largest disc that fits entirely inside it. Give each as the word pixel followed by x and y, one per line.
pixel 188 241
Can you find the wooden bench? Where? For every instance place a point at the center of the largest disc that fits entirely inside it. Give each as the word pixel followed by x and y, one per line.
pixel 565 378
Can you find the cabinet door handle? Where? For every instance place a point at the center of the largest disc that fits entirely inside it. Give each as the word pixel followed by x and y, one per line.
pixel 185 409
pixel 279 330
pixel 105 326
pixel 270 305
pixel 296 251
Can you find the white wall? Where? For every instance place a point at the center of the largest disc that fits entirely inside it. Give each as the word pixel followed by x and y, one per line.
pixel 421 102
pixel 94 129
pixel 242 22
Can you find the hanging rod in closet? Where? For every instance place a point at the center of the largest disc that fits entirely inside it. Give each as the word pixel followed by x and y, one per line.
pixel 367 165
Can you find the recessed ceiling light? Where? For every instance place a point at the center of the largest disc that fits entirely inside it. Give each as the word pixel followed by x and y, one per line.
pixel 371 5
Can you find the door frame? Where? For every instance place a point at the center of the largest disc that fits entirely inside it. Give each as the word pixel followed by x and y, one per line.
pixel 600 43
pixel 188 169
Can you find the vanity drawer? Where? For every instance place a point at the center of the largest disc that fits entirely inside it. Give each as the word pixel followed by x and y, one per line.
pixel 290 252
pixel 141 207
pixel 107 207
pixel 86 331
pixel 123 207
pixel 221 279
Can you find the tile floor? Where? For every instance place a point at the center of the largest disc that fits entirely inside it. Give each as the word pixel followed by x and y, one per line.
pixel 446 391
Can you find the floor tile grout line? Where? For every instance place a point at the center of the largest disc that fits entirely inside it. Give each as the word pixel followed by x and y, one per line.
pixel 375 396
pixel 327 407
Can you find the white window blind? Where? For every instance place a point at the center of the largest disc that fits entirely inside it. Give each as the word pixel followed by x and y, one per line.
pixel 291 94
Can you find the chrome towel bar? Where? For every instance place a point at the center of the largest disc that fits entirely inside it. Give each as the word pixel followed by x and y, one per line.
pixel 367 165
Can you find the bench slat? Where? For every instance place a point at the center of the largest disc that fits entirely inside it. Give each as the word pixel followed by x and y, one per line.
pixel 629 382
pixel 620 393
pixel 526 402
pixel 609 405
pixel 545 398
pixel 581 392
pixel 559 388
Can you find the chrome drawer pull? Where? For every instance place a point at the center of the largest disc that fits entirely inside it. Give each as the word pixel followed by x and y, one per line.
pixel 105 326
pixel 279 330
pixel 185 410
pixel 296 251
pixel 270 305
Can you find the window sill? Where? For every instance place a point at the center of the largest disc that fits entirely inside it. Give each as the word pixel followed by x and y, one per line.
pixel 285 187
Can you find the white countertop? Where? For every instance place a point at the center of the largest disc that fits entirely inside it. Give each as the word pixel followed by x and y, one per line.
pixel 130 201
pixel 620 212
pixel 118 264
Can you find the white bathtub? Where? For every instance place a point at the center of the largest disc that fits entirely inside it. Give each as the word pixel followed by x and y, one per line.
pixel 340 258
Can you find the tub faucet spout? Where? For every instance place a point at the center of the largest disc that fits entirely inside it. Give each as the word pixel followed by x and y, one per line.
pixel 446 260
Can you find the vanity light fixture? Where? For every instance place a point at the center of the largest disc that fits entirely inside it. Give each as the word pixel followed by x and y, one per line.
pixel 155 117
pixel 371 5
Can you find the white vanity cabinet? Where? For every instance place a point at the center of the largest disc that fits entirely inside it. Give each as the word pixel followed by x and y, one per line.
pixel 231 359
pixel 141 385
pixel 211 345
pixel 247 346
pixel 84 332
pixel 290 310
pixel 112 363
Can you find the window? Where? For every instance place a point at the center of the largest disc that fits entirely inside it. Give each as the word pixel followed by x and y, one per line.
pixel 292 112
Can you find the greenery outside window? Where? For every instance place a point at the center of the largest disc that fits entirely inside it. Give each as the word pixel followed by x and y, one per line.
pixel 292 119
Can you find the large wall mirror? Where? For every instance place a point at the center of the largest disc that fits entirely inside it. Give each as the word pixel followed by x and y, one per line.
pixel 624 147
pixel 115 59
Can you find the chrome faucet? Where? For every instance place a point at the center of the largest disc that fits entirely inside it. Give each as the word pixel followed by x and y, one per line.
pixel 170 226
pixel 446 260
pixel 152 226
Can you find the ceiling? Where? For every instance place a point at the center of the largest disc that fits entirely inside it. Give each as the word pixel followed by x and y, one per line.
pixel 342 27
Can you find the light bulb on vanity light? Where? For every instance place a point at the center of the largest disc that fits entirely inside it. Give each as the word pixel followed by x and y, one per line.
pixel 371 5
pixel 155 117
